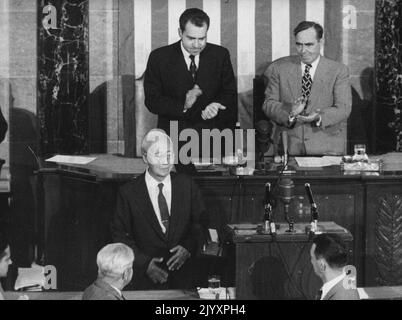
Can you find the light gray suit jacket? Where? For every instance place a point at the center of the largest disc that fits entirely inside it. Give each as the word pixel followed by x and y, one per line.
pixel 100 290
pixel 338 292
pixel 330 93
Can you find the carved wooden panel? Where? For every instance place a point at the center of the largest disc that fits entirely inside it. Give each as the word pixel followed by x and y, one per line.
pixel 388 235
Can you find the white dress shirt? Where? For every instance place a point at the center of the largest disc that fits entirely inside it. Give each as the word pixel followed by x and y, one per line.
pixel 330 284
pixel 187 57
pixel 313 68
pixel 153 191
pixel 1 293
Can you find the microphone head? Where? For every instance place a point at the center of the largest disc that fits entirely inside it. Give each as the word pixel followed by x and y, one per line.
pixel 286 190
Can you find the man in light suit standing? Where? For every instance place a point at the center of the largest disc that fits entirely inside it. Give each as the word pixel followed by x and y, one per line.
pixel 309 96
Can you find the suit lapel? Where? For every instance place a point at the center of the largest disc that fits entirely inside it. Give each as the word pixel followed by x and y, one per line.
pixel 295 79
pixel 175 206
pixel 178 64
pixel 317 87
pixel 204 67
pixel 145 204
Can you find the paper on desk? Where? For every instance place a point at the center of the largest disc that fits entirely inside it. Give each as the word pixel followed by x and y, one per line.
pixel 30 277
pixel 71 159
pixel 362 293
pixel 224 294
pixel 312 162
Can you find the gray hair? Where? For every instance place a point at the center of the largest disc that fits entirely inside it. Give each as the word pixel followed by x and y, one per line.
pixel 114 259
pixel 152 137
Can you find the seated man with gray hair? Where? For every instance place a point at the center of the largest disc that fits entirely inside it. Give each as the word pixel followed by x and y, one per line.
pixel 115 270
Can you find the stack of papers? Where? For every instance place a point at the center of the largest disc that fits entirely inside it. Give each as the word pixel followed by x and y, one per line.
pixel 71 159
pixel 30 278
pixel 313 162
pixel 224 294
pixel 392 161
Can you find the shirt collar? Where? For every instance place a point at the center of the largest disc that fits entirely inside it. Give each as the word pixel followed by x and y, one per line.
pixel 314 64
pixel 187 56
pixel 118 291
pixel 330 284
pixel 153 183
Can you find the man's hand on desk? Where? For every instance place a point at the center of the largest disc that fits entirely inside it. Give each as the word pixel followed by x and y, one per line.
pixel 191 97
pixel 212 110
pixel 177 260
pixel 156 274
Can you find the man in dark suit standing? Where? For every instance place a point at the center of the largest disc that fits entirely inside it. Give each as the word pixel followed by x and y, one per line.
pixel 329 258
pixel 158 215
pixel 309 96
pixel 191 81
pixel 115 270
pixel 3 127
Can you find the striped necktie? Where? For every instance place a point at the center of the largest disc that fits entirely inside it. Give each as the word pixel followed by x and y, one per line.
pixel 193 67
pixel 163 208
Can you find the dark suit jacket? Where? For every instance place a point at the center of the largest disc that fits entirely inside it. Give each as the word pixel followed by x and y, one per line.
pixel 167 80
pixel 135 222
pixel 331 93
pixel 3 127
pixel 338 292
pixel 101 290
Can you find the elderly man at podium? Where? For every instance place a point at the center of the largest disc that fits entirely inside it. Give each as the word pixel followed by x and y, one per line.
pixel 158 215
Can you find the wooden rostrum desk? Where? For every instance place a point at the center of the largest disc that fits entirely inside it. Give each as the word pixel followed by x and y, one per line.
pixel 278 267
pixel 76 204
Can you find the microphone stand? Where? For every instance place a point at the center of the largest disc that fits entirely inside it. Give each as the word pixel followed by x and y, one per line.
pixel 313 209
pixel 269 224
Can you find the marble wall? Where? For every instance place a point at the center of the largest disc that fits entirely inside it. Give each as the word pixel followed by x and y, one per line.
pixel 388 85
pixel 63 76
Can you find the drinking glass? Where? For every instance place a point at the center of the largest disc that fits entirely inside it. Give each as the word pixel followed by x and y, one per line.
pixel 360 153
pixel 214 285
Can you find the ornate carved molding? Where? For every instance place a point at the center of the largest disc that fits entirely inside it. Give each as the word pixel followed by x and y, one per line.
pixel 388 233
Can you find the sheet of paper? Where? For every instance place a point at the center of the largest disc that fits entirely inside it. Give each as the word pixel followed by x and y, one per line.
pixel 312 162
pixel 71 159
pixel 213 234
pixel 29 277
pixel 362 293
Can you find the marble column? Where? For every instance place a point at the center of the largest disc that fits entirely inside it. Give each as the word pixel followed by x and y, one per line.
pixel 388 82
pixel 63 76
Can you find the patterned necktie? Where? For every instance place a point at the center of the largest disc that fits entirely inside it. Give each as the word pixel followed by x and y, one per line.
pixel 307 82
pixel 163 208
pixel 193 67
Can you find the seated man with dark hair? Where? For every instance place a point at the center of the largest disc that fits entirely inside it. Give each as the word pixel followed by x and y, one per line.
pixel 3 127
pixel 5 259
pixel 329 259
pixel 115 270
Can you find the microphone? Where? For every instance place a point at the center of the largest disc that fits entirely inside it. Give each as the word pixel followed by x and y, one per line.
pixel 269 224
pixel 314 209
pixel 285 148
pixel 286 194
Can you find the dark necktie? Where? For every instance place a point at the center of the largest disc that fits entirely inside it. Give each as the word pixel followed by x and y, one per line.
pixel 163 208
pixel 193 67
pixel 318 295
pixel 307 82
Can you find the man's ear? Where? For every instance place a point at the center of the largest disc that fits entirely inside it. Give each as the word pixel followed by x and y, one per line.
pixel 180 33
pixel 322 264
pixel 144 158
